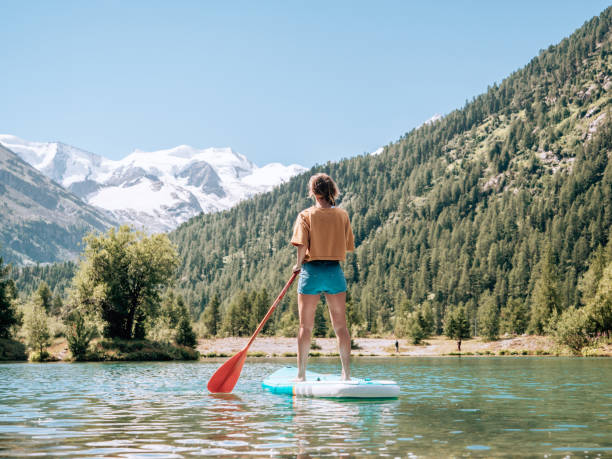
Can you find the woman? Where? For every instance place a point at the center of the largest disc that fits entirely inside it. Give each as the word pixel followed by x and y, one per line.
pixel 322 235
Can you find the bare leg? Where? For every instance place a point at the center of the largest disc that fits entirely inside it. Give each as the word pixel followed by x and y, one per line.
pixel 337 312
pixel 307 305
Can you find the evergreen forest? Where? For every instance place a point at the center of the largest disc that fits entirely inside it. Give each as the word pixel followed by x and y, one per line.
pixel 503 201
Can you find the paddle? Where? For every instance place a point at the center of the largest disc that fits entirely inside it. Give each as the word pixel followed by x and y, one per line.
pixel 226 377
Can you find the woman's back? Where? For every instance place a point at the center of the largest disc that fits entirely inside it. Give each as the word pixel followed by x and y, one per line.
pixel 325 231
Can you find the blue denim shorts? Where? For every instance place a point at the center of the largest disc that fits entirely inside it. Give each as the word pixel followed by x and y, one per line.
pixel 321 276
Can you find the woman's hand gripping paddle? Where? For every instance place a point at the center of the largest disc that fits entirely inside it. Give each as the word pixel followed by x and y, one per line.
pixel 226 377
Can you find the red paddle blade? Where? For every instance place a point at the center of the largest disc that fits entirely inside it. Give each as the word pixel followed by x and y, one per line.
pixel 226 377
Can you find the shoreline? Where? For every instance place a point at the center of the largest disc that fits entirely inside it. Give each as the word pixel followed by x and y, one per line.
pixel 437 346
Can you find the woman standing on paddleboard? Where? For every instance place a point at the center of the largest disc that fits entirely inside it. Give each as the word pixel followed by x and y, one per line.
pixel 322 235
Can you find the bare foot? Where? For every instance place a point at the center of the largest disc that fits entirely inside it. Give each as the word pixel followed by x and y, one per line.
pixel 299 379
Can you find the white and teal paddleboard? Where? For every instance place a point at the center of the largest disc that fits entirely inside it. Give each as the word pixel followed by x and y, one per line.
pixel 328 386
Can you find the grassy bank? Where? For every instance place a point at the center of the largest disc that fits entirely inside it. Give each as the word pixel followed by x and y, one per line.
pixel 116 350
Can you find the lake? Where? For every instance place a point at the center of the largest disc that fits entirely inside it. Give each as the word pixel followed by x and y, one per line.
pixel 448 406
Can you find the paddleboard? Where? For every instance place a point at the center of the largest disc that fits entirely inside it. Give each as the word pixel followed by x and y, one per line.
pixel 328 386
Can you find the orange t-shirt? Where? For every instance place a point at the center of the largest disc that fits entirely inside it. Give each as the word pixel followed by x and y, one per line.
pixel 325 231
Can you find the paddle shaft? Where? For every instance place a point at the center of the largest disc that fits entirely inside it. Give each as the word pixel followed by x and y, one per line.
pixel 226 376
pixel 272 308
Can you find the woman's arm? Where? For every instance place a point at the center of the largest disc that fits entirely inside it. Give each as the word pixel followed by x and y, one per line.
pixel 301 253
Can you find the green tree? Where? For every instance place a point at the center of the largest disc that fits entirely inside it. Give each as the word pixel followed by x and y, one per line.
pixel 320 324
pixel 427 319
pixel 545 299
pixel 261 305
pixel 8 314
pixel 36 327
pixel 237 319
pixel 414 327
pixel 456 325
pixel 571 328
pixel 79 334
pixel 44 297
pixel 212 316
pixel 589 282
pixel 353 319
pixel 121 277
pixel 57 305
pixel 185 336
pixel 599 308
pixel 514 317
pixel 488 317
pixel 171 321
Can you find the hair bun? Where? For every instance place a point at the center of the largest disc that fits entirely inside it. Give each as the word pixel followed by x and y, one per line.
pixel 323 185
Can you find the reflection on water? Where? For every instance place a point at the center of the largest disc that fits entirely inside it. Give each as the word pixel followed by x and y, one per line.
pixel 447 406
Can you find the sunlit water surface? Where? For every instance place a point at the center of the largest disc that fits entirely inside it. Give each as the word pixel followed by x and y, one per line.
pixel 448 406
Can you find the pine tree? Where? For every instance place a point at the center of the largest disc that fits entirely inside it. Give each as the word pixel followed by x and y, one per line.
pixel 599 308
pixel 488 317
pixel 428 319
pixel 514 317
pixel 261 305
pixel 414 327
pixel 456 325
pixel 212 317
pixel 44 297
pixel 237 319
pixel 8 314
pixel 545 299
pixel 320 324
pixel 56 305
pixel 184 334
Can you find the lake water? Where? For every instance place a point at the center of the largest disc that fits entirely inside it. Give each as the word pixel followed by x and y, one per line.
pixel 448 406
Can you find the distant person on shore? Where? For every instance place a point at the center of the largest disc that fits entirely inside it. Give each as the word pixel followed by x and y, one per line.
pixel 397 346
pixel 322 235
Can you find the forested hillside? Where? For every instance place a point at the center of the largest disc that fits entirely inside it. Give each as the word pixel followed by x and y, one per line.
pixel 501 202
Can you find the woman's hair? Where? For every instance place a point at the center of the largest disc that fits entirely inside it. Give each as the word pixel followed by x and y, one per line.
pixel 323 185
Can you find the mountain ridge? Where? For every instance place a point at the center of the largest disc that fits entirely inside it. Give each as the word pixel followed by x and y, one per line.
pixel 41 221
pixel 157 190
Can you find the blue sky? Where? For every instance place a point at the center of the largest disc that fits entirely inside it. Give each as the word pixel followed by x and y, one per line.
pixel 288 81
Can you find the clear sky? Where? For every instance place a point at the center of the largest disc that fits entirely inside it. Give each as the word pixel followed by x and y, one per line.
pixel 288 81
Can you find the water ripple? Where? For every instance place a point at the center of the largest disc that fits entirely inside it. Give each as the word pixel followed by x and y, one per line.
pixel 163 410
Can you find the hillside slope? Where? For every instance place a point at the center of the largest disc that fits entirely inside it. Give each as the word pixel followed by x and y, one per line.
pixel 458 211
pixel 39 220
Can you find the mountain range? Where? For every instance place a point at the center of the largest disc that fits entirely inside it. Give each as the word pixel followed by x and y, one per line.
pixel 40 220
pixel 158 190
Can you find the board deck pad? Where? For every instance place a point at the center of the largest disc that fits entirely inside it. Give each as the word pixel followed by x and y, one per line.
pixel 328 386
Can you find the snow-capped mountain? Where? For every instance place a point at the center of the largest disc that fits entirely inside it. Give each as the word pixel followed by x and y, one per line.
pixel 156 190
pixel 41 221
